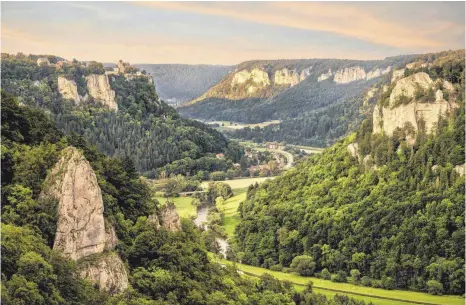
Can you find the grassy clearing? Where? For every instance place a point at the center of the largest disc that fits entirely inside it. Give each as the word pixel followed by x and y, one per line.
pixel 183 206
pixel 231 218
pixel 238 183
pixel 375 295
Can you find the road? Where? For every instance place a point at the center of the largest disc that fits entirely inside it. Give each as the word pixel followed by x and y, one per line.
pixel 288 156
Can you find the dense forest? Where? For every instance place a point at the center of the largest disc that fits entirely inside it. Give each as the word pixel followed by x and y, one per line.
pixel 164 267
pixel 145 128
pixel 395 221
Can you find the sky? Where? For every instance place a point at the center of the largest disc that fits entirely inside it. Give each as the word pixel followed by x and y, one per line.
pixel 230 32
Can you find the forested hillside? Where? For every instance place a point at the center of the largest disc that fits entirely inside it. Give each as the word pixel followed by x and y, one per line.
pixel 144 128
pixel 163 266
pixel 178 83
pixel 318 100
pixel 387 209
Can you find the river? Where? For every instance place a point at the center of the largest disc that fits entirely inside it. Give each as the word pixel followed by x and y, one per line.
pixel 201 222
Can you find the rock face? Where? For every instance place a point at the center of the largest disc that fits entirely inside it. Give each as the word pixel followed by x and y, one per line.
pixel 353 150
pixel 460 169
pixel 108 272
pixel 256 76
pixel 325 76
pixel 81 227
pixel 43 61
pixel 397 74
pixel 99 88
pixel 377 72
pixel 305 73
pixel 286 77
pixel 407 86
pixel 348 75
pixel 169 218
pixel 416 114
pixel 68 89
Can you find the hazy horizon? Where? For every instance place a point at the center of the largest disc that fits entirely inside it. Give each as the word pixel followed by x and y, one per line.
pixel 228 33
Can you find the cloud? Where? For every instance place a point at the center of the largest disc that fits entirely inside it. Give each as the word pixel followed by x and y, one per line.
pixel 346 19
pixel 100 12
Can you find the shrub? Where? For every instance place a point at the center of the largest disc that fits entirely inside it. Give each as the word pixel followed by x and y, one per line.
pixel 339 277
pixel 303 265
pixel 388 283
pixel 277 267
pixel 355 276
pixel 366 281
pixel 434 287
pixel 325 274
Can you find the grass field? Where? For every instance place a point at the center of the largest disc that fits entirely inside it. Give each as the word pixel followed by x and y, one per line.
pixel 183 206
pixel 239 183
pixel 375 295
pixel 231 213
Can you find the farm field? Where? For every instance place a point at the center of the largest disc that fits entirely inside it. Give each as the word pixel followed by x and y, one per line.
pixel 231 213
pixel 375 295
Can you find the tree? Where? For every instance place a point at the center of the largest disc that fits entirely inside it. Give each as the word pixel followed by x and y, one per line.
pixel 325 274
pixel 355 276
pixel 303 265
pixel 434 287
pixel 220 203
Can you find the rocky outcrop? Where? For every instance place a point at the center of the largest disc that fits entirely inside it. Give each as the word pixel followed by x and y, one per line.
pixel 169 218
pixel 325 76
pixel 99 89
pixel 448 86
pixel 378 72
pixel 68 89
pixel 43 61
pixel 460 169
pixel 256 76
pixel 407 86
pixel 82 233
pixel 353 150
pixel 414 114
pixel 348 75
pixel 305 73
pixel 397 74
pixel 80 227
pixel 107 271
pixel 286 77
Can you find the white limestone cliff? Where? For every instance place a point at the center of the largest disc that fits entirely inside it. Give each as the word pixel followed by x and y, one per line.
pixel 68 89
pixel 169 218
pixel 286 77
pixel 397 74
pixel 305 73
pixel 99 89
pixel 378 72
pixel 414 113
pixel 80 227
pixel 348 75
pixel 256 75
pixel 325 76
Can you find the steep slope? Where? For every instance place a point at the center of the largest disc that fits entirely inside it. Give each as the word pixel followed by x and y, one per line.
pixel 290 90
pixel 163 267
pixel 178 83
pixel 118 111
pixel 386 203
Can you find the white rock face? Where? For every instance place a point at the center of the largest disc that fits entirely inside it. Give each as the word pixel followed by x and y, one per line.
pixel 108 272
pixel 80 227
pixel 448 86
pixel 460 169
pixel 256 75
pixel 68 89
pixel 325 76
pixel 99 88
pixel 348 75
pixel 169 218
pixel 353 150
pixel 305 73
pixel 378 72
pixel 111 240
pixel 407 86
pixel 286 77
pixel 43 60
pixel 397 74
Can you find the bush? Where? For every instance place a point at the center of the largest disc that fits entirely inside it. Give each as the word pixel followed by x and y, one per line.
pixel 434 287
pixel 339 277
pixel 355 276
pixel 218 176
pixel 303 265
pixel 277 267
pixel 325 274
pixel 388 283
pixel 366 281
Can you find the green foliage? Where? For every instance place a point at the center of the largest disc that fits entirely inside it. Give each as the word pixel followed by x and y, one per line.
pixel 303 265
pixel 434 287
pixel 400 223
